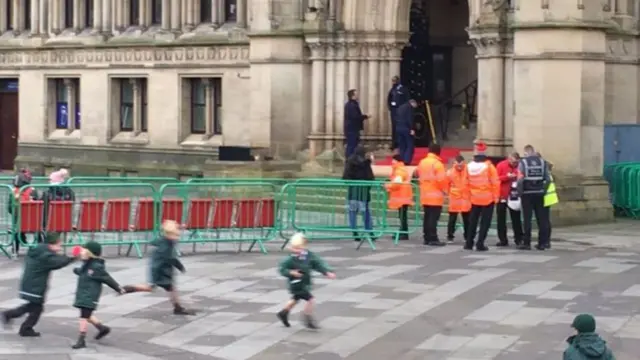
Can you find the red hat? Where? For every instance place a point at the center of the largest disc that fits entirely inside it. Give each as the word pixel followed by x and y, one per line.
pixel 479 148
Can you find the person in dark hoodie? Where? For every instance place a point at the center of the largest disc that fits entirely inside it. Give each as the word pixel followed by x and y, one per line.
pixel 358 168
pixel 20 195
pixel 91 275
pixel 40 261
pixel 404 130
pixel 353 122
pixel 586 344
pixel 163 262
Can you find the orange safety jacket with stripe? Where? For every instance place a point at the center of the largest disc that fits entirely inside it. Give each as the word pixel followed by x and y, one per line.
pixel 400 189
pixel 484 184
pixel 459 196
pixel 433 181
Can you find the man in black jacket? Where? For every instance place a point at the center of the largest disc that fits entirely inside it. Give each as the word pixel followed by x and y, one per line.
pixel 404 130
pixel 358 167
pixel 353 121
pixel 398 95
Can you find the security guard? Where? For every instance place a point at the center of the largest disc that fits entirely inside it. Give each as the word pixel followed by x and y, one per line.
pixel 400 193
pixel 532 182
pixel 550 199
pixel 397 96
pixel 433 187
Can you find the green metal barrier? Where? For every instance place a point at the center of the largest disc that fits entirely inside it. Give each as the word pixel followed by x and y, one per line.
pixel 157 182
pixel 35 180
pixel 223 212
pixel 6 220
pixel 113 214
pixel 624 188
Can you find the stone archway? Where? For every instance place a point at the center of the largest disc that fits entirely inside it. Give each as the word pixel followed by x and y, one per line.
pixel 361 47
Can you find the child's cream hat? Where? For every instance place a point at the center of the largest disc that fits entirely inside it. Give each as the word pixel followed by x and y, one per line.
pixel 298 240
pixel 170 227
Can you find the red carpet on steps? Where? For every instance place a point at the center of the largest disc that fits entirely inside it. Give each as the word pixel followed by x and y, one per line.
pixel 447 154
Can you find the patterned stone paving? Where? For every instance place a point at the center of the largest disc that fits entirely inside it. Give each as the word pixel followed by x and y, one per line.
pixel 407 302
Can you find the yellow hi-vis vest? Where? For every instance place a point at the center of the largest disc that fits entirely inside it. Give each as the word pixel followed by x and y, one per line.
pixel 551 197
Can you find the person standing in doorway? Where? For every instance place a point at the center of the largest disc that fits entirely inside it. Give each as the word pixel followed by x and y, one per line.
pixel 397 96
pixel 433 186
pixel 400 194
pixel 484 189
pixel 405 132
pixel 533 179
pixel 353 122
pixel 508 174
pixel 358 169
pixel 458 197
pixel 550 199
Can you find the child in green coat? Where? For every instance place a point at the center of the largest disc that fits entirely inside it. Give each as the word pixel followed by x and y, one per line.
pixel 91 275
pixel 297 268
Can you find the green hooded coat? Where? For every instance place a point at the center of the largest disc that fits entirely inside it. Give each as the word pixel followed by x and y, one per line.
pixel 163 261
pixel 91 275
pixel 305 263
pixel 38 265
pixel 587 346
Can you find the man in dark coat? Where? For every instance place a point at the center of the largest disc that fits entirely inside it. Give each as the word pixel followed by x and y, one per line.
pixel 353 122
pixel 163 262
pixel 38 265
pixel 358 168
pixel 404 130
pixel 398 95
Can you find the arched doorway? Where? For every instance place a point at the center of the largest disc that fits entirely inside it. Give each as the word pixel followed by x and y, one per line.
pixel 439 66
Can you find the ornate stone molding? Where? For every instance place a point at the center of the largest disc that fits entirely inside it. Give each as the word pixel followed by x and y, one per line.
pixel 487 45
pixel 318 50
pixel 114 57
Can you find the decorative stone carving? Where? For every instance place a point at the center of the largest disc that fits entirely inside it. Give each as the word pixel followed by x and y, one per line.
pixel 318 50
pixel 120 56
pixel 374 50
pixel 606 6
pixel 394 51
pixel 353 50
pixel 487 46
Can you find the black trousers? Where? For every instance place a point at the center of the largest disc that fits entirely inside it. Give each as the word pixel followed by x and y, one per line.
pixel 17 239
pixel 479 215
pixel 403 214
pixel 34 310
pixel 534 204
pixel 430 223
pixel 547 216
pixel 516 223
pixel 451 226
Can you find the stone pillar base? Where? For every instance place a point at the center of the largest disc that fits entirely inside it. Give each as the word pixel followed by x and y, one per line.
pixel 583 200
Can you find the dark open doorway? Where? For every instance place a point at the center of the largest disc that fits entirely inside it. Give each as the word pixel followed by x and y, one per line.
pixel 9 119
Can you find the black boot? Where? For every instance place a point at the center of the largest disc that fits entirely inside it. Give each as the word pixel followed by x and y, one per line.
pixel 179 310
pixel 103 331
pixel 524 246
pixel 28 333
pixel 310 323
pixel 80 344
pixel 356 237
pixel 283 315
pixel 6 320
pixel 128 289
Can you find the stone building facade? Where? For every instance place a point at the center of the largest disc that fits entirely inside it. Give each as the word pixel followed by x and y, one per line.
pixel 161 84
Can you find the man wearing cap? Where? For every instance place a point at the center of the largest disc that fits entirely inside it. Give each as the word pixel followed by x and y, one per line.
pixel 533 180
pixel 586 344
pixel 484 187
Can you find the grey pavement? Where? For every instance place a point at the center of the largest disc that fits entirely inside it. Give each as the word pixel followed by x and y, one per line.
pixel 405 302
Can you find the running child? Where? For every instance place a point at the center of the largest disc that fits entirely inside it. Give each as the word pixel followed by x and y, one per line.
pixel 91 275
pixel 298 268
pixel 40 261
pixel 163 262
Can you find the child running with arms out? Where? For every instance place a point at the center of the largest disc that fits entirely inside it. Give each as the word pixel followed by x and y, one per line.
pixel 298 268
pixel 163 262
pixel 91 275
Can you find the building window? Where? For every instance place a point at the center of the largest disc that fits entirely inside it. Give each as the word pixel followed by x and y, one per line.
pixel 68 14
pixel 9 15
pixel 156 12
pixel 132 113
pixel 134 12
pixel 88 13
pixel 206 106
pixel 27 15
pixel 230 10
pixel 67 102
pixel 205 11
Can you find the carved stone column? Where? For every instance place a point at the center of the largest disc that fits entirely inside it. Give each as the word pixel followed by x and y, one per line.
pixel 17 16
pixel 215 13
pixel 340 94
pixel 54 16
pixel 176 8
pixel 353 56
pixel 209 106
pixel 4 25
pixel 43 22
pixel 145 13
pixel 363 81
pixel 489 48
pixel 190 19
pixel 78 14
pixel 329 96
pixel 137 105
pixel 97 15
pixel 241 21
pixel 383 126
pixel 373 59
pixel 117 14
pixel 624 13
pixel 107 10
pixel 167 8
pixel 318 81
pixel 184 10
pixel 35 17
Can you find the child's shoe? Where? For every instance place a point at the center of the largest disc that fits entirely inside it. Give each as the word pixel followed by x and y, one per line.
pixel 310 323
pixel 283 315
pixel 179 310
pixel 103 331
pixel 28 333
pixel 80 344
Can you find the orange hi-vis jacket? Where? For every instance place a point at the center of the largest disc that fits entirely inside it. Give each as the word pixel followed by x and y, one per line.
pixel 459 195
pixel 400 188
pixel 484 184
pixel 433 181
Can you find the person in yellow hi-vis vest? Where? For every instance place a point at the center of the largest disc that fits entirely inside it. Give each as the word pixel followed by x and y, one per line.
pixel 550 199
pixel 400 193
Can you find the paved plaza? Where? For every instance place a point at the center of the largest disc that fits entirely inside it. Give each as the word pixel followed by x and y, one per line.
pixel 403 303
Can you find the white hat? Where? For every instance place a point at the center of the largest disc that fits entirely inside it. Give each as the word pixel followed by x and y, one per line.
pixel 298 240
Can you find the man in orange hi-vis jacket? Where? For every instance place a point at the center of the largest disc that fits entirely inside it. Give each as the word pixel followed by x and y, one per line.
pixel 400 193
pixel 459 202
pixel 484 189
pixel 433 187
